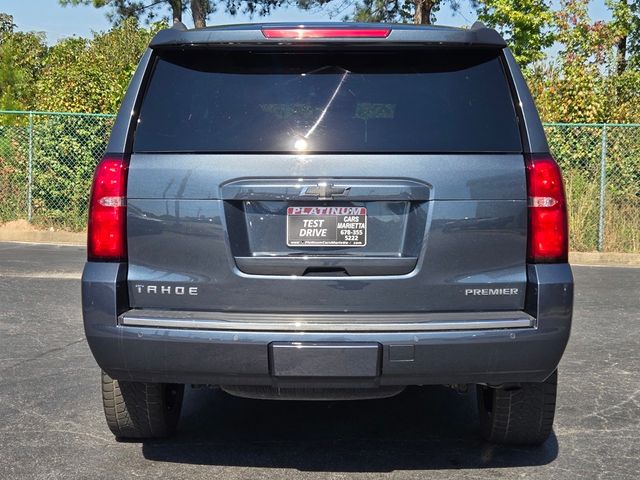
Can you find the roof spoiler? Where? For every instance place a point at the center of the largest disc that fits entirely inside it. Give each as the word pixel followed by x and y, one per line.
pixel 178 25
pixel 401 35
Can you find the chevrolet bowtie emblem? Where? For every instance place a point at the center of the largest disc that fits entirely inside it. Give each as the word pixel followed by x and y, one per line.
pixel 324 191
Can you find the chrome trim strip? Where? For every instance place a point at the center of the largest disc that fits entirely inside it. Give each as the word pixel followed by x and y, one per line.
pixel 297 265
pixel 328 325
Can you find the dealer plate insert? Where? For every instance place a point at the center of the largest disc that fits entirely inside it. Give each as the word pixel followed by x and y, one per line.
pixel 326 226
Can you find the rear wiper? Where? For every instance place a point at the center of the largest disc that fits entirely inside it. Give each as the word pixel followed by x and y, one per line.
pixel 327 67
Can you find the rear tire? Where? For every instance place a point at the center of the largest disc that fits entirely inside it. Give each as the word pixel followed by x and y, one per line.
pixel 519 415
pixel 141 410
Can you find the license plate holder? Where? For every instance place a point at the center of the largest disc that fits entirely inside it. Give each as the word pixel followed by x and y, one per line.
pixel 326 226
pixel 310 359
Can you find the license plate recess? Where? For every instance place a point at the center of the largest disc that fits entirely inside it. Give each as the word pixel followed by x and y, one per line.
pixel 310 359
pixel 309 226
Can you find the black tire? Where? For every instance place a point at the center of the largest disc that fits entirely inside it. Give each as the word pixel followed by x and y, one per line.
pixel 518 415
pixel 141 410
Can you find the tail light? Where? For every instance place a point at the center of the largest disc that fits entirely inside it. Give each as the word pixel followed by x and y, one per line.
pixel 106 240
pixel 548 230
pixel 335 32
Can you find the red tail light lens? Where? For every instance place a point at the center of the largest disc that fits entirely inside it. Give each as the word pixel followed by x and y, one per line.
pixel 107 212
pixel 548 230
pixel 304 33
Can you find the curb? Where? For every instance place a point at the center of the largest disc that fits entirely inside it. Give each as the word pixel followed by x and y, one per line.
pixel 605 259
pixel 44 236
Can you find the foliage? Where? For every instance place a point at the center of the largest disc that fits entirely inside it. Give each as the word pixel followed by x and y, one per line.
pixel 389 11
pixel 251 7
pixel 582 40
pixel 121 10
pixel 13 171
pixel 623 97
pixel 65 149
pixel 582 83
pixel 60 152
pixel 392 11
pixel 83 75
pixel 526 25
pixel 626 27
pixel 6 24
pixel 570 92
pixel 21 58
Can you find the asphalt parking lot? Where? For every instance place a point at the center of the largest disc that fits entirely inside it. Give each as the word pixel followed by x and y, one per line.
pixel 52 426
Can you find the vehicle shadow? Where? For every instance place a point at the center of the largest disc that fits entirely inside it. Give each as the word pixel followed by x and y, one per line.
pixel 420 429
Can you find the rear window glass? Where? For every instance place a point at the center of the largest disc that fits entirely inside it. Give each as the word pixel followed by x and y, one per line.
pixel 427 101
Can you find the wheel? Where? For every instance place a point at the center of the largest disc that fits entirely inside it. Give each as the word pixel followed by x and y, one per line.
pixel 518 415
pixel 141 410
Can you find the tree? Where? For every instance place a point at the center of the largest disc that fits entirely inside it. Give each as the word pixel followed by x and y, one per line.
pixel 6 23
pixel 626 27
pixel 21 58
pixel 525 24
pixel 403 11
pixel 575 87
pixel 200 9
pixel 91 75
pixel 149 11
pixel 380 11
pixel 424 10
pixel 199 12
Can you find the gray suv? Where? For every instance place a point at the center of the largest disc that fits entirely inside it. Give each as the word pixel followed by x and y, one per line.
pixel 328 212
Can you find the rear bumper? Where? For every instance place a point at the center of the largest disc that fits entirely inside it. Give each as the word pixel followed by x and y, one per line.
pixel 438 350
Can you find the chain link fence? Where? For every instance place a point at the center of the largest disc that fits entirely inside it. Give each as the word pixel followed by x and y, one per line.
pixel 47 160
pixel 601 169
pixel 46 164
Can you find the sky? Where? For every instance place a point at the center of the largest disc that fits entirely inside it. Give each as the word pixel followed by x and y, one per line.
pixel 60 22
